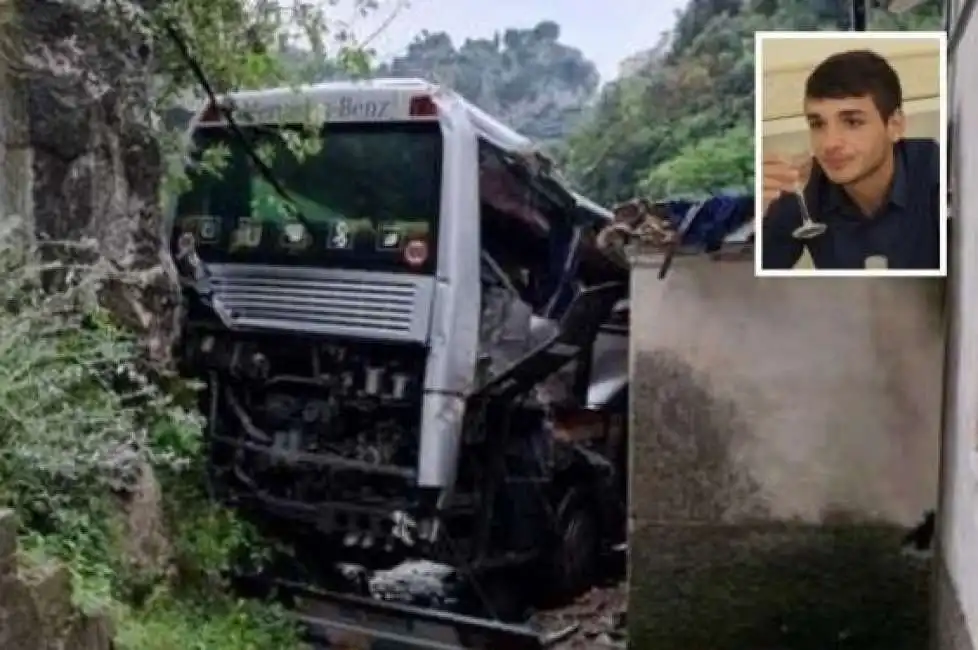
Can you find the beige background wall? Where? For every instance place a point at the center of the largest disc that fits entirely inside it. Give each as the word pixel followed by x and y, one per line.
pixel 787 63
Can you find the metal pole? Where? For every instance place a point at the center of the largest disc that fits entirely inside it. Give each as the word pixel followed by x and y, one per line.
pixel 857 21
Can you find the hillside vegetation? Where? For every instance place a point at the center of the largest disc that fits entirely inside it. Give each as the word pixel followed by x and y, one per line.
pixel 682 124
pixel 679 121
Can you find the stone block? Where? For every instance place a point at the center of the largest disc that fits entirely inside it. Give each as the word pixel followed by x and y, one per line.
pixel 89 633
pixel 50 587
pixel 21 625
pixel 144 542
pixel 8 540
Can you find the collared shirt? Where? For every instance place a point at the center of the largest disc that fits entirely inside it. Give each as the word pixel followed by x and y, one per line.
pixel 905 229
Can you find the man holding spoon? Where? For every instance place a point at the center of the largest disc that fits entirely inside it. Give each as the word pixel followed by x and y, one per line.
pixel 865 193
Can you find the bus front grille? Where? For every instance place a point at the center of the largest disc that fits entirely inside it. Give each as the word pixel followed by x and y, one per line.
pixel 389 306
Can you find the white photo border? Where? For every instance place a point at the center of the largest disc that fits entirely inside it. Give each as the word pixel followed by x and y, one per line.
pixel 759 39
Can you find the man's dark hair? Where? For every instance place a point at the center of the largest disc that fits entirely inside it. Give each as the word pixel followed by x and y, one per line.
pixel 857 73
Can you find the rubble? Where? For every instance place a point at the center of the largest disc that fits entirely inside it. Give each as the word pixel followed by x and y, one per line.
pixel 418 582
pixel 599 616
pixel 638 219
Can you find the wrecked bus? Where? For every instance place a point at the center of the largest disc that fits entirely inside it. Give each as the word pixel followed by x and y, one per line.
pixel 414 354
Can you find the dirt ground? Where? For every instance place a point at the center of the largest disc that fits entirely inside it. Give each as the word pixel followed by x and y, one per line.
pixel 598 617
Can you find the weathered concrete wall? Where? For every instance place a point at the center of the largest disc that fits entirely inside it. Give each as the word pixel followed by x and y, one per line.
pixel 36 612
pixel 785 434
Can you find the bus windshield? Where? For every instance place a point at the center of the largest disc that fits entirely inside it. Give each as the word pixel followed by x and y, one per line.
pixel 371 195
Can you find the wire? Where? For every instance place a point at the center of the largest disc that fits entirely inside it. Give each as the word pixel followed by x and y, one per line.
pixel 227 111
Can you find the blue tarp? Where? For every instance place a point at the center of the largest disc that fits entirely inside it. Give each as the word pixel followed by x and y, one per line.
pixel 714 221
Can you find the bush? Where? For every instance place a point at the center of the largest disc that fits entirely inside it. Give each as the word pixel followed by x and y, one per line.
pixel 79 420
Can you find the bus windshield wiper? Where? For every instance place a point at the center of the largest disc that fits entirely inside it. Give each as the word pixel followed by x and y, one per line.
pixel 233 126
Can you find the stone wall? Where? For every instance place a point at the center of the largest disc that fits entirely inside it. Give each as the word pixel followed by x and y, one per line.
pixel 94 160
pixel 36 612
pixel 785 436
pixel 79 160
pixel 15 158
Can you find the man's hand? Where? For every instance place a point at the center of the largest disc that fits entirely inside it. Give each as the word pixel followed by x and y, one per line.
pixel 782 174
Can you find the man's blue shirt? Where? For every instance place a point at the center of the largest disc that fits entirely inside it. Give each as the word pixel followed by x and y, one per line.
pixel 905 229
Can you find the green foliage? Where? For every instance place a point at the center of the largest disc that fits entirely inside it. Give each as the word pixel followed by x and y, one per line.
pixel 926 17
pixel 166 623
pixel 682 121
pixel 525 77
pixel 81 417
pixel 208 540
pixel 76 409
pixel 195 609
pixel 245 44
pixel 715 163
pixel 79 420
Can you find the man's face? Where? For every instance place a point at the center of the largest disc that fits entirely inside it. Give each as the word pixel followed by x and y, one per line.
pixel 849 138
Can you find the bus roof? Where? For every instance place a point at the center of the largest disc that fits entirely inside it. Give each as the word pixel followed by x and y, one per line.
pixel 386 99
pixel 351 95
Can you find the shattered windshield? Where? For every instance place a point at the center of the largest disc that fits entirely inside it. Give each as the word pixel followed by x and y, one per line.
pixel 369 192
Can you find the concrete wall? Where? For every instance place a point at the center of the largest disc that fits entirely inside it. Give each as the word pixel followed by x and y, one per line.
pixel 958 525
pixel 785 435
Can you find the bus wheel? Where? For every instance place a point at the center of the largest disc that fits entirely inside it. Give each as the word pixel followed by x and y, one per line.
pixel 574 562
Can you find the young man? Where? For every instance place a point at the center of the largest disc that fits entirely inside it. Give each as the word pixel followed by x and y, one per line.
pixel 877 193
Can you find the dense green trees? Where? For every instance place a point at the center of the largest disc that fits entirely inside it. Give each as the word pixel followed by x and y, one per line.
pixel 683 122
pixel 527 77
pixel 678 121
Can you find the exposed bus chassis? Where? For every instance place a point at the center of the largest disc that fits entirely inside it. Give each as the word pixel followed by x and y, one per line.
pixel 318 437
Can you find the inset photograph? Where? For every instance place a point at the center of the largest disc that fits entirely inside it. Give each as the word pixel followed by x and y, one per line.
pixel 850 133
